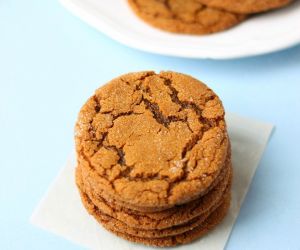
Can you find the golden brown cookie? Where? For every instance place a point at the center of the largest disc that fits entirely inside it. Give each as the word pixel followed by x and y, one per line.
pixel 245 6
pixel 178 235
pixel 88 183
pixel 119 226
pixel 152 140
pixel 163 219
pixel 184 16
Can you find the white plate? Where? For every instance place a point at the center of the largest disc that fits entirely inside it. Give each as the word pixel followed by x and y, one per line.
pixel 260 34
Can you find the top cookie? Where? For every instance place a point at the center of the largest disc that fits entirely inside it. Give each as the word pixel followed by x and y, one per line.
pixel 184 16
pixel 245 6
pixel 152 140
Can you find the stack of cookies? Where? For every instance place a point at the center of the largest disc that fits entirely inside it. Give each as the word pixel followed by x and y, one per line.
pixel 154 160
pixel 200 16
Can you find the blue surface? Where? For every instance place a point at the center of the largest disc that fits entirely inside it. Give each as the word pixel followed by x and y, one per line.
pixel 50 62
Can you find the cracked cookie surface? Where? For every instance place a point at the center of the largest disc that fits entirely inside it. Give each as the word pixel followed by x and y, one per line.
pixel 100 194
pixel 164 219
pixel 184 16
pixel 245 6
pixel 152 140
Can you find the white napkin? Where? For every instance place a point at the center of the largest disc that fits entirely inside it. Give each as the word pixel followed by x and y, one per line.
pixel 62 213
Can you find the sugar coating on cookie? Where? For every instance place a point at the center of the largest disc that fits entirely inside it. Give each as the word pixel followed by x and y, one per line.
pixel 152 140
pixel 245 6
pixel 184 16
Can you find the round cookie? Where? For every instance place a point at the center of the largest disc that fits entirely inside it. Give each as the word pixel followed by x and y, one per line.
pixel 184 16
pixel 163 219
pixel 245 6
pixel 152 140
pixel 188 236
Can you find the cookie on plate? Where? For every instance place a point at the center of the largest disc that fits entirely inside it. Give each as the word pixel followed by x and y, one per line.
pixel 184 16
pixel 246 6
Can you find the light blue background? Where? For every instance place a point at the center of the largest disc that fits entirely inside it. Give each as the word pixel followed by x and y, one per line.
pixel 50 62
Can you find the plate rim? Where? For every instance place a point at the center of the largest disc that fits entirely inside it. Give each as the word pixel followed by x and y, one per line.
pixel 118 36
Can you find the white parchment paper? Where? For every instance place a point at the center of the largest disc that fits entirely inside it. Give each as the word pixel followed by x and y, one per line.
pixel 61 211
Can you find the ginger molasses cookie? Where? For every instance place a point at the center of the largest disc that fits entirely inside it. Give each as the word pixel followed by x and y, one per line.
pixel 181 234
pixel 163 219
pixel 118 226
pixel 245 6
pixel 152 140
pixel 209 224
pixel 184 16
pixel 99 195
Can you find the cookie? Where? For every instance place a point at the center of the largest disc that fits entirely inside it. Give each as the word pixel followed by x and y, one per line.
pixel 137 209
pixel 190 232
pixel 212 221
pixel 152 140
pixel 98 194
pixel 245 6
pixel 119 226
pixel 164 219
pixel 184 16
